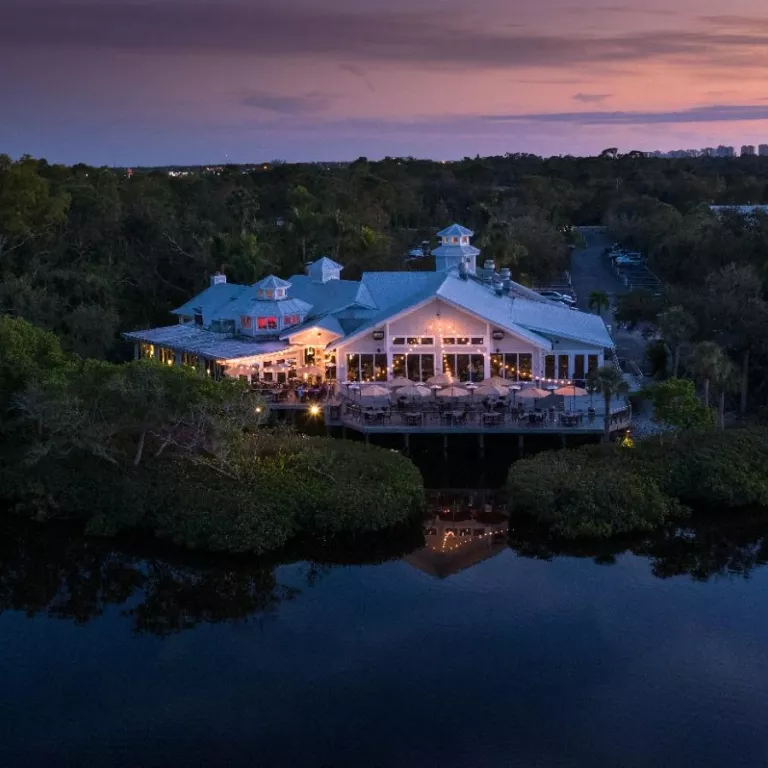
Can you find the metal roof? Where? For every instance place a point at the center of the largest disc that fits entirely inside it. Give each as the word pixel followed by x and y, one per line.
pixel 455 230
pixel 535 319
pixel 212 300
pixel 270 282
pixel 330 296
pixel 389 288
pixel 328 323
pixel 326 264
pixel 456 250
pixel 248 304
pixel 198 341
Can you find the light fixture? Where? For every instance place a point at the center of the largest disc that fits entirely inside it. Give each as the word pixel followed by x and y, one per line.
pixel 314 410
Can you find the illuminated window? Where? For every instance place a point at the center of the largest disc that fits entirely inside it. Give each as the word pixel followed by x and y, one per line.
pixel 246 321
pixel 267 323
pixel 478 341
pixel 426 341
pixel 399 340
pixel 463 340
pixel 413 340
pixel 450 340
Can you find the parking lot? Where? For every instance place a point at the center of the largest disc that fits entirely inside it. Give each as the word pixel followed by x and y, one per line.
pixel 637 277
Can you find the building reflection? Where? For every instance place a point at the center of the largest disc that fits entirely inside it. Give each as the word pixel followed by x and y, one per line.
pixel 462 529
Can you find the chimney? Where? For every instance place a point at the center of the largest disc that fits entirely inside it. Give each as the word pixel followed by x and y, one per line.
pixel 463 270
pixel 505 273
pixel 506 279
pixel 498 287
pixel 218 279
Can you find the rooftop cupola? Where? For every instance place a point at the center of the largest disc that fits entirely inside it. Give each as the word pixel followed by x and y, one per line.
pixel 272 288
pixel 323 270
pixel 455 249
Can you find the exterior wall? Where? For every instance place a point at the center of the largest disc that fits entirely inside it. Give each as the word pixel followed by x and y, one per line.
pixel 438 321
pixel 573 349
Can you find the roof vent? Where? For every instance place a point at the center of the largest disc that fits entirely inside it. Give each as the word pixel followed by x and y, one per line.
pixel 218 279
pixel 489 264
pixel 463 270
pixel 499 288
pixel 505 273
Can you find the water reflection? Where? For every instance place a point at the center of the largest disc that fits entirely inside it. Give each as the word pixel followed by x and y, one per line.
pixel 50 571
pixel 462 529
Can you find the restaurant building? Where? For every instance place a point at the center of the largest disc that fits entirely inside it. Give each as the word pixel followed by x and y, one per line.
pixel 470 321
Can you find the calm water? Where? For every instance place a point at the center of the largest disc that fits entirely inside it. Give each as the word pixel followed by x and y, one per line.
pixel 475 649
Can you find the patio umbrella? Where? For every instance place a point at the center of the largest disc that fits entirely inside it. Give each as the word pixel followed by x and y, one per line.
pixel 453 392
pixel 413 390
pixel 534 393
pixel 496 381
pixel 492 391
pixel 443 379
pixel 374 390
pixel 571 391
pixel 399 381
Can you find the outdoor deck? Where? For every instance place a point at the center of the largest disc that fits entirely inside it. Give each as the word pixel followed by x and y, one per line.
pixel 383 420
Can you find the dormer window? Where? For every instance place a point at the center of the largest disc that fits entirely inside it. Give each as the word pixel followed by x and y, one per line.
pixel 454 240
pixel 279 293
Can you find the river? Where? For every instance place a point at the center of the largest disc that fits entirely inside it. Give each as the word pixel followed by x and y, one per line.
pixel 477 646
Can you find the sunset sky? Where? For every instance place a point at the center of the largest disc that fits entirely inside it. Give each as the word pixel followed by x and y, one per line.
pixel 158 82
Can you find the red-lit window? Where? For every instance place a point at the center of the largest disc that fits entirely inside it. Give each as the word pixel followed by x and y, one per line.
pixel 246 321
pixel 267 323
pixel 291 320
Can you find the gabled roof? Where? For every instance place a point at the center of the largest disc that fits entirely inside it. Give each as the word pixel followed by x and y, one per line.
pixel 330 296
pixel 198 341
pixel 534 319
pixel 271 282
pixel 328 323
pixel 455 230
pixel 212 300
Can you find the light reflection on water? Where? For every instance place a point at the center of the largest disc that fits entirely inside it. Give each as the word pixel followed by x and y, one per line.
pixel 470 645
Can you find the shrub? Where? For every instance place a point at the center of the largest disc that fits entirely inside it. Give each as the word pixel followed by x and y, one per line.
pixel 606 490
pixel 272 487
pixel 589 492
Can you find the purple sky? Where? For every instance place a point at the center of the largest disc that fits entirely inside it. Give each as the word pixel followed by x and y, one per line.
pixel 144 82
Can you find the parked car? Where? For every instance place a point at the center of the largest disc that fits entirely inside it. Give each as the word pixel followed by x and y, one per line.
pixel 630 259
pixel 557 296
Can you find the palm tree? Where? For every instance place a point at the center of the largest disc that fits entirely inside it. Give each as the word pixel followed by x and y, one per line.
pixel 725 378
pixel 676 326
pixel 705 362
pixel 611 382
pixel 598 300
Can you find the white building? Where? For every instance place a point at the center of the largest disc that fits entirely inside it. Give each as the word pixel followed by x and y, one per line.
pixel 469 321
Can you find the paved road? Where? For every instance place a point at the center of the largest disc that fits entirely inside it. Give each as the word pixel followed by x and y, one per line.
pixel 592 271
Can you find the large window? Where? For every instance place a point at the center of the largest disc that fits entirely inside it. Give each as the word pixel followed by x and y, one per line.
pixel 167 356
pixel 309 355
pixel 562 366
pixel 291 320
pixel 413 367
pixel 267 323
pixel 579 371
pixel 330 366
pixel 246 321
pixel 147 351
pixel 464 367
pixel 592 363
pixel 361 367
pixel 512 365
pixel 549 367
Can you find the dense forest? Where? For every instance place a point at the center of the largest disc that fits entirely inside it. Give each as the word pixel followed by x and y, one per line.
pixel 88 252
